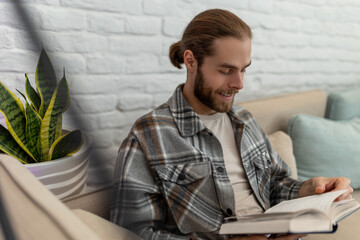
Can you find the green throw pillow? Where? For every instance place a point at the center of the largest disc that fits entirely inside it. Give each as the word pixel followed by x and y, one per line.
pixel 344 105
pixel 327 148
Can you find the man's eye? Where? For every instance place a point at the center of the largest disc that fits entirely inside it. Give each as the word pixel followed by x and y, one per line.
pixel 226 71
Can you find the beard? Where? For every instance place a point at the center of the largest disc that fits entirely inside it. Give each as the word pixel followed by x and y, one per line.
pixel 208 96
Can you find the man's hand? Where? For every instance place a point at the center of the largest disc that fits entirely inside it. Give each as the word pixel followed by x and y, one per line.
pixel 318 185
pixel 262 237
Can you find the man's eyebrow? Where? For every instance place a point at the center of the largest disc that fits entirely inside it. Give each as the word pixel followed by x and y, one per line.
pixel 248 64
pixel 227 65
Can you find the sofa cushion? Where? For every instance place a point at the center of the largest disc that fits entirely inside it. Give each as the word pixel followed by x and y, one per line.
pixel 324 147
pixel 343 105
pixel 282 144
pixel 96 201
pixel 103 228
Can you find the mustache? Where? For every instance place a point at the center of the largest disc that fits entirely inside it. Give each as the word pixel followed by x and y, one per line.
pixel 231 91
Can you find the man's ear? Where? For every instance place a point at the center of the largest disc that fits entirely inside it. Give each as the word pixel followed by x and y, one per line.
pixel 190 61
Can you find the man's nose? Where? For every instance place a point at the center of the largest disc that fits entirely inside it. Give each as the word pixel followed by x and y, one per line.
pixel 237 81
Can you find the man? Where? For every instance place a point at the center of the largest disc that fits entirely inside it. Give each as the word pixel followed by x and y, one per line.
pixel 198 159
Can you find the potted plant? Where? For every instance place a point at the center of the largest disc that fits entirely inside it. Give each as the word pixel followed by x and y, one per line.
pixel 34 133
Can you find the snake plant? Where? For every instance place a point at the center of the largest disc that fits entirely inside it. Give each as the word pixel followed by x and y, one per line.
pixel 34 132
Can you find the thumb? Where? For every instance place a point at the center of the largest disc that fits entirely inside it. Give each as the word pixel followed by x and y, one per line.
pixel 320 186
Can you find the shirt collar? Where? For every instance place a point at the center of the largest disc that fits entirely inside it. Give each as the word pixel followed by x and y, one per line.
pixel 186 119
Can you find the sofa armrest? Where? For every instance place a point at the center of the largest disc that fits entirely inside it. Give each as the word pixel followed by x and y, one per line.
pixel 32 210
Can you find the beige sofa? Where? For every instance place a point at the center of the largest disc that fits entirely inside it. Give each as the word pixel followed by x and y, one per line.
pixel 34 213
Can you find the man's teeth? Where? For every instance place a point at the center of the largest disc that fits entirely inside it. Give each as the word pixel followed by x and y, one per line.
pixel 226 95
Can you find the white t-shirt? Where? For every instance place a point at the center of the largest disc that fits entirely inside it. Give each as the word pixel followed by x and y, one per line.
pixel 245 201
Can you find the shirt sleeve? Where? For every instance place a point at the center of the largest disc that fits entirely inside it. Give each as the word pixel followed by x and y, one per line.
pixel 137 203
pixel 282 186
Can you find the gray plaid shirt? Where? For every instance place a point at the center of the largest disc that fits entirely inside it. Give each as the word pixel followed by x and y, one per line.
pixel 170 176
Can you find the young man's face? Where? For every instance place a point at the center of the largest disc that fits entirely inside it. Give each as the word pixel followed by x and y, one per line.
pixel 221 75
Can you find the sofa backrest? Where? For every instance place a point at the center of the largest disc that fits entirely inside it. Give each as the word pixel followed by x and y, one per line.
pixel 274 113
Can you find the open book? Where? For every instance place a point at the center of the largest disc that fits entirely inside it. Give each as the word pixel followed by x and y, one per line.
pixel 312 214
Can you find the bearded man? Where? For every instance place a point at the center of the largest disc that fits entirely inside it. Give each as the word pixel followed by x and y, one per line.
pixel 198 159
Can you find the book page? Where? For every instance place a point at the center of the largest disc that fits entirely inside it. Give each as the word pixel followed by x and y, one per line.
pixel 341 209
pixel 320 202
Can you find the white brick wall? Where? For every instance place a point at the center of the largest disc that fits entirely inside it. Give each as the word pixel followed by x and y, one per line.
pixel 115 53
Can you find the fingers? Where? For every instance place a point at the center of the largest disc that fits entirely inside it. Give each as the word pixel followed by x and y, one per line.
pixel 323 184
pixel 341 183
pixel 333 184
pixel 318 185
pixel 345 196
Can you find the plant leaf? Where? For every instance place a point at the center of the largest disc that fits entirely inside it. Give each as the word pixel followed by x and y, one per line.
pixel 66 145
pixel 23 95
pixel 13 111
pixel 10 146
pixel 32 129
pixel 32 94
pixel 60 101
pixel 45 80
pixel 58 130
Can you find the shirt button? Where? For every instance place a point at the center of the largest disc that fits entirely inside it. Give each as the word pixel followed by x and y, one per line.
pixel 229 212
pixel 220 169
pixel 182 177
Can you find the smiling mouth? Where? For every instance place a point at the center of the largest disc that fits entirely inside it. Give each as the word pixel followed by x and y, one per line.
pixel 228 93
pixel 227 97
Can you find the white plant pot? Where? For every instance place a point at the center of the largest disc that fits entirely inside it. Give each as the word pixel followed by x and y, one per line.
pixel 65 176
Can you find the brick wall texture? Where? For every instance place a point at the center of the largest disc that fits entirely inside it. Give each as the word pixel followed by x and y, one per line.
pixel 115 53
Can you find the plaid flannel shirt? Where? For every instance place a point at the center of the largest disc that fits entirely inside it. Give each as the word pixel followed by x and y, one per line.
pixel 170 179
